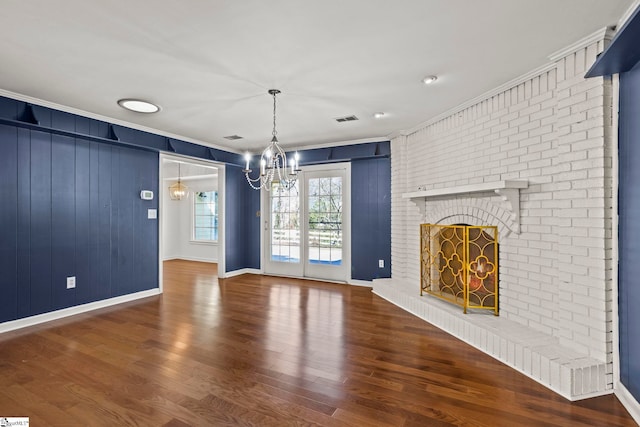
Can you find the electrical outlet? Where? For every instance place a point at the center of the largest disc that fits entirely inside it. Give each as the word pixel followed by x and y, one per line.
pixel 71 282
pixel 381 263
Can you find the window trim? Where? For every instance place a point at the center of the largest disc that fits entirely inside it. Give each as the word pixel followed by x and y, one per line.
pixel 193 239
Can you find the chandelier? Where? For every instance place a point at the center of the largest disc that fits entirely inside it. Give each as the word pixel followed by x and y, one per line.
pixel 178 191
pixel 273 162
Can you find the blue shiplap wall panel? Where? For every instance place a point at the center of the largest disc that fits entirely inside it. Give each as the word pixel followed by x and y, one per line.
pixel 118 181
pixel 103 217
pixel 383 248
pixel 126 229
pixel 40 222
pixel 146 253
pixel 63 233
pixel 24 223
pixel 629 230
pixel 242 236
pixel 234 230
pixel 8 220
pixel 252 227
pixel 370 218
pixel 83 293
pixel 94 233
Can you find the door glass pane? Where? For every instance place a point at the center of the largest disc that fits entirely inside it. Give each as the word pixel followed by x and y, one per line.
pixel 285 224
pixel 325 221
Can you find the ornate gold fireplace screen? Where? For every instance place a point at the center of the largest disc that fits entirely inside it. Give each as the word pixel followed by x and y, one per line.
pixel 459 263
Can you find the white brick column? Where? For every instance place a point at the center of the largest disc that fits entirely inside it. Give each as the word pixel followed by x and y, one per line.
pixel 404 231
pixel 583 195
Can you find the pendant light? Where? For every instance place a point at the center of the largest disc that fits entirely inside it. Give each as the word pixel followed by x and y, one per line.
pixel 178 190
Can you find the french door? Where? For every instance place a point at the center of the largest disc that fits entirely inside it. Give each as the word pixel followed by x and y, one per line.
pixel 306 227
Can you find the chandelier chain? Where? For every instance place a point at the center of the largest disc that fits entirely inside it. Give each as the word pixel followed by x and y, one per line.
pixel 274 132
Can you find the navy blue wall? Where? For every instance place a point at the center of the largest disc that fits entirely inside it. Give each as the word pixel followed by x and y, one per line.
pixel 370 218
pixel 629 230
pixel 242 226
pixel 71 207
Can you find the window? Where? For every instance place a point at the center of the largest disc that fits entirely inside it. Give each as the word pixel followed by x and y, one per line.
pixel 205 218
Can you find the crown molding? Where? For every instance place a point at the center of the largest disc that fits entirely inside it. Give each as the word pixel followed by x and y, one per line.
pixel 337 143
pixel 625 17
pixel 78 112
pixel 605 34
pixel 398 133
pixel 487 95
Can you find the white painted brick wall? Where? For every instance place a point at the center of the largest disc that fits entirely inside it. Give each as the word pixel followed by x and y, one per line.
pixel 555 130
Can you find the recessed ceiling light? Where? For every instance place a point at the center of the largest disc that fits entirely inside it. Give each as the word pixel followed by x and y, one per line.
pixel 138 105
pixel 429 79
pixel 378 115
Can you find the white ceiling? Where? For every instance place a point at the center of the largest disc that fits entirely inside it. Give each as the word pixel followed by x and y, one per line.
pixel 209 64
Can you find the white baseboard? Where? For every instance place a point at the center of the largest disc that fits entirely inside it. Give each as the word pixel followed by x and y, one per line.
pixel 628 401
pixel 186 258
pixel 234 273
pixel 365 283
pixel 71 311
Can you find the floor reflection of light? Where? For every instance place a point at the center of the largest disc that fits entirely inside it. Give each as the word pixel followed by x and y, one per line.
pixel 297 314
pixel 206 300
pixel 182 339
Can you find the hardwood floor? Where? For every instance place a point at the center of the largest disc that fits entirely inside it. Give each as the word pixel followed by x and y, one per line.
pixel 266 351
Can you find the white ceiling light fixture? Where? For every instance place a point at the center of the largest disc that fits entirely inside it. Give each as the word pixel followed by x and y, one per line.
pixel 378 115
pixel 138 105
pixel 429 79
pixel 273 162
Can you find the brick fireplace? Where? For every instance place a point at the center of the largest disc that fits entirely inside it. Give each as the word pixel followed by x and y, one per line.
pixel 534 158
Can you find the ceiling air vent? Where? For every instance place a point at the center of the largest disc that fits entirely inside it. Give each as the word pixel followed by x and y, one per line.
pixel 346 119
pixel 233 137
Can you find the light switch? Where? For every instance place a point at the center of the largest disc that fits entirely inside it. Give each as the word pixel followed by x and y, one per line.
pixel 152 213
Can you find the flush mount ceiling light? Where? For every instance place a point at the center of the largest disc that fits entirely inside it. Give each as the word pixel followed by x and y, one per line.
pixel 378 115
pixel 429 79
pixel 138 105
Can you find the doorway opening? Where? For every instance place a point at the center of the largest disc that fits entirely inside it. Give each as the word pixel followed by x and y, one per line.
pixel 191 228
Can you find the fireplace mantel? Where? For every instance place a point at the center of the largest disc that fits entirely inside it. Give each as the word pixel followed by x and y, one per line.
pixel 508 189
